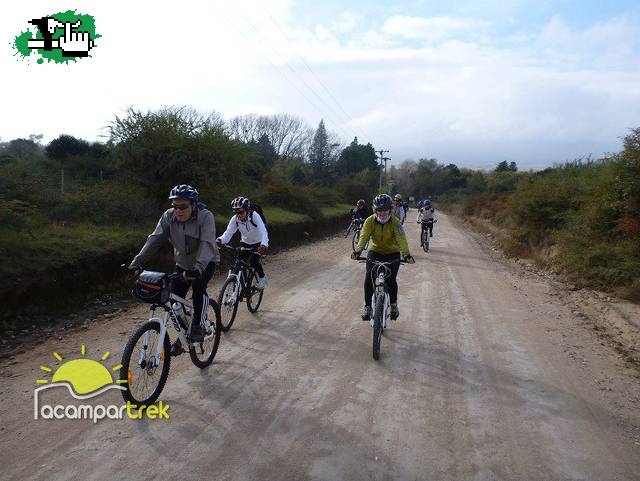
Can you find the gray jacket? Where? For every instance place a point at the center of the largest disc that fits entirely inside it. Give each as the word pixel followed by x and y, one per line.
pixel 194 241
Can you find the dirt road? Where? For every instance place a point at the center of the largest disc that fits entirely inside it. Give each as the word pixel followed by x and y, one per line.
pixel 488 374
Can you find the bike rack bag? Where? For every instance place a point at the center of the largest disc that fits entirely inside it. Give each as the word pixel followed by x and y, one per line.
pixel 152 287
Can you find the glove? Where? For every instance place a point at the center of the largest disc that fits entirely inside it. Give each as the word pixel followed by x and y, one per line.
pixel 134 271
pixel 191 274
pixel 219 242
pixel 409 259
pixel 262 250
pixel 355 255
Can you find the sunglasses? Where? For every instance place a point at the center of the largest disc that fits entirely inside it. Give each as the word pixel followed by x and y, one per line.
pixel 181 206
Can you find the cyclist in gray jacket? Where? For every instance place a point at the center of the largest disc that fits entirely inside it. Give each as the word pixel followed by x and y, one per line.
pixel 190 228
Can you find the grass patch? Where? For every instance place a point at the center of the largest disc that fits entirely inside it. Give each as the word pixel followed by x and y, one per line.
pixel 277 215
pixel 336 210
pixel 55 245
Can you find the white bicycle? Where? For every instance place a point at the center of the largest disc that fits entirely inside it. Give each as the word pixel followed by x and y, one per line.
pixel 380 300
pixel 146 358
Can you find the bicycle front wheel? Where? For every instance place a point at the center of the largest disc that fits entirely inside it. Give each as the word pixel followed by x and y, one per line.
pixel 228 303
pixel 202 353
pixel 378 314
pixel 425 239
pixel 254 295
pixel 143 375
pixel 355 239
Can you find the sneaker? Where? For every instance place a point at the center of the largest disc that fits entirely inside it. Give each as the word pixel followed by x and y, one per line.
pixel 395 312
pixel 196 333
pixel 366 313
pixel 262 283
pixel 176 348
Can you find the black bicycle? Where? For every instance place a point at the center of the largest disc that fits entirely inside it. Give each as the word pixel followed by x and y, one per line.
pixel 380 300
pixel 240 285
pixel 356 225
pixel 425 234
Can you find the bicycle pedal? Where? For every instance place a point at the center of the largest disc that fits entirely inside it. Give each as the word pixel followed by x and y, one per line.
pixel 176 349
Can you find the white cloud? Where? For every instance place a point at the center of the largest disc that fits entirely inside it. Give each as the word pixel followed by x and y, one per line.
pixel 430 28
pixel 346 22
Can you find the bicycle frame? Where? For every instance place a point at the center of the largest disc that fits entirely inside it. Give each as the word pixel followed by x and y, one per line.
pixel 380 289
pixel 169 314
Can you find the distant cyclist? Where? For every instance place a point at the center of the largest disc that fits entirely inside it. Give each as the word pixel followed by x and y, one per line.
pixel 253 235
pixel 191 229
pixel 360 211
pixel 427 215
pixel 399 208
pixel 388 241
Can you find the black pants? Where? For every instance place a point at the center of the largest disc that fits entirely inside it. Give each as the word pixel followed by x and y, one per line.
pixel 428 225
pixel 199 295
pixel 254 260
pixel 391 282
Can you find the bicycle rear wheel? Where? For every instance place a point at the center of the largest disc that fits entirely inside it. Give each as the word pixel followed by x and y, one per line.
pixel 378 314
pixel 139 373
pixel 203 353
pixel 227 305
pixel 253 294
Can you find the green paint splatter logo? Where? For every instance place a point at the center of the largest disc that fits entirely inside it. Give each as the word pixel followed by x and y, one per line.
pixel 59 37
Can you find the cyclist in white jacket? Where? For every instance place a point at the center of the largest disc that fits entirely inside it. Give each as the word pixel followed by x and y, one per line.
pixel 427 216
pixel 253 234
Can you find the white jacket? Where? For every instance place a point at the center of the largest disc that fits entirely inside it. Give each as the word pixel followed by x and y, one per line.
pixel 249 234
pixel 425 214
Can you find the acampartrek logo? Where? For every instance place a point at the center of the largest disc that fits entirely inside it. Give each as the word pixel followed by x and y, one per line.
pixel 85 379
pixel 58 37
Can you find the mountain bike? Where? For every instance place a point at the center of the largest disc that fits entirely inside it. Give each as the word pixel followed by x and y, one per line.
pixel 357 229
pixel 146 358
pixel 380 300
pixel 240 285
pixel 427 226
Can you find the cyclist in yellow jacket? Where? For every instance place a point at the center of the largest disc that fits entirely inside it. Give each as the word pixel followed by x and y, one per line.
pixel 388 241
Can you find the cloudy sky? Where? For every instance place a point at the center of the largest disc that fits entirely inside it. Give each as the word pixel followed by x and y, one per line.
pixel 464 81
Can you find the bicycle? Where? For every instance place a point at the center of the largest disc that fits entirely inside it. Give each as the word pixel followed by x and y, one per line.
pixel 152 357
pixel 380 300
pixel 427 228
pixel 356 224
pixel 240 285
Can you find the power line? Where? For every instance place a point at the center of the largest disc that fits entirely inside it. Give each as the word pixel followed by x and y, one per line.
pixel 244 37
pixel 305 62
pixel 255 29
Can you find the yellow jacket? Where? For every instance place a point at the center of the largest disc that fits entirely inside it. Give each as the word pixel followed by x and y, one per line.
pixel 385 238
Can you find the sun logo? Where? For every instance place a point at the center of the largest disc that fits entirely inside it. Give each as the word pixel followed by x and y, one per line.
pixel 85 376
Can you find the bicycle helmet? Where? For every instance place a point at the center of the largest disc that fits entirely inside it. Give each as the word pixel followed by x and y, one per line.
pixel 240 203
pixel 382 202
pixel 184 191
pixel 397 197
pixel 360 203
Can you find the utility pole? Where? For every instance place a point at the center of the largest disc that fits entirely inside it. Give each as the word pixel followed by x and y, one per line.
pixel 383 159
pixel 385 169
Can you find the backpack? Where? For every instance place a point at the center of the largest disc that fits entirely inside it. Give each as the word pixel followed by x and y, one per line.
pixel 257 209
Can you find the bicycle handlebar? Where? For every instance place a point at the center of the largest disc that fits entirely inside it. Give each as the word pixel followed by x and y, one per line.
pixel 237 249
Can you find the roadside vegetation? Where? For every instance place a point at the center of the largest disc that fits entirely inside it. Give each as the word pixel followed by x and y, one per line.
pixel 581 218
pixel 71 201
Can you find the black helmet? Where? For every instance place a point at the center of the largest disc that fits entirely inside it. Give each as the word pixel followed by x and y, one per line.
pixel 240 203
pixel 183 191
pixel 382 202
